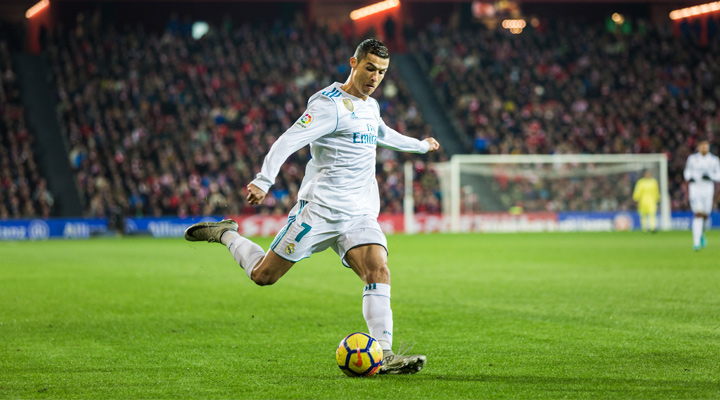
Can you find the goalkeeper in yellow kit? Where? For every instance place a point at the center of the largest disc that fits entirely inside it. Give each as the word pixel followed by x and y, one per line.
pixel 647 195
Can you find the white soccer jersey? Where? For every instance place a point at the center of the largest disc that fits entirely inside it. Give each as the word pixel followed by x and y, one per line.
pixel 699 165
pixel 343 132
pixel 701 191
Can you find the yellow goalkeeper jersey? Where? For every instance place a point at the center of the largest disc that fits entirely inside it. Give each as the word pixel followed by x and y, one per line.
pixel 646 191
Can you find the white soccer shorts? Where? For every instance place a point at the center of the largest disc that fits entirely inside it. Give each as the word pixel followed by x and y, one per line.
pixel 701 197
pixel 309 231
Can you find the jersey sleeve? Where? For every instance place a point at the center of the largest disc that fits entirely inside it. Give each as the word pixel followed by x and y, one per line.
pixel 689 172
pixel 320 119
pixel 394 140
pixel 638 190
pixel 715 170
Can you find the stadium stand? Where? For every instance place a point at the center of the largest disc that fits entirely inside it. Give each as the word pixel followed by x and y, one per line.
pixel 576 88
pixel 23 191
pixel 167 125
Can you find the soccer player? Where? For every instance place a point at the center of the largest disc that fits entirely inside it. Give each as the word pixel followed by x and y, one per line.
pixel 701 171
pixel 338 201
pixel 647 195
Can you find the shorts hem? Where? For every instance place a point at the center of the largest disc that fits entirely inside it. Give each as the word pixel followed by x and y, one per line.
pixel 287 259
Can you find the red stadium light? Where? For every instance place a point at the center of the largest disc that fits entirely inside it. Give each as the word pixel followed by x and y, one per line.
pixel 374 9
pixel 43 4
pixel 695 10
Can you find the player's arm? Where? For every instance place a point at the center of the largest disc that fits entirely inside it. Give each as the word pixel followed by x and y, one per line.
pixel 689 172
pixel 394 140
pixel 714 174
pixel 638 191
pixel 318 120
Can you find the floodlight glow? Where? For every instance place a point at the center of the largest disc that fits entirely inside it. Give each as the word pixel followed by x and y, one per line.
pixel 43 4
pixel 514 24
pixel 695 10
pixel 199 29
pixel 374 9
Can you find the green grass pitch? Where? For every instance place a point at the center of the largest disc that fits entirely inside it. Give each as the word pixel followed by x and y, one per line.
pixel 561 315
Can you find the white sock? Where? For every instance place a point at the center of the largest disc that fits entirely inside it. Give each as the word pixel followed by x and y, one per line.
pixel 708 224
pixel 228 236
pixel 245 252
pixel 697 230
pixel 377 313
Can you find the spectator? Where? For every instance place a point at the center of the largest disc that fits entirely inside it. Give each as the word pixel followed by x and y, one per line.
pixel 167 125
pixel 577 88
pixel 23 191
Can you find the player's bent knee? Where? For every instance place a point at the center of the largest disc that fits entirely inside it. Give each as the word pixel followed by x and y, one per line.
pixel 263 278
pixel 270 269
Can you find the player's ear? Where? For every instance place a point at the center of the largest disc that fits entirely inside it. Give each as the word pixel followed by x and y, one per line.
pixel 353 62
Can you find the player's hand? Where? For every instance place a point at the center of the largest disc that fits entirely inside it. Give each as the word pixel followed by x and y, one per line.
pixel 706 178
pixel 434 145
pixel 255 195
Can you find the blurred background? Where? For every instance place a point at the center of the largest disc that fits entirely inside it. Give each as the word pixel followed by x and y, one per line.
pixel 142 116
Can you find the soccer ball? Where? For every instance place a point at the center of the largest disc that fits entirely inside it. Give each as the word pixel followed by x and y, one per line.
pixel 359 354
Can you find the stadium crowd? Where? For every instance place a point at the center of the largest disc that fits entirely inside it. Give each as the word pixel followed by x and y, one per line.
pixel 574 88
pixel 23 190
pixel 169 125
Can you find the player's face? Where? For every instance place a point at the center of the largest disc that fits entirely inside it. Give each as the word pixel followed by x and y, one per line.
pixel 368 73
pixel 704 147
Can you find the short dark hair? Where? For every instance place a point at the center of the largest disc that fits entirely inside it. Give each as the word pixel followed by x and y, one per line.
pixel 371 46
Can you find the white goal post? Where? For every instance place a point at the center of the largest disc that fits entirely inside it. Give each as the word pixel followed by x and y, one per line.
pixel 582 170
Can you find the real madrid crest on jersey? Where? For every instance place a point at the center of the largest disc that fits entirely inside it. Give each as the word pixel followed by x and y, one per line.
pixel 348 104
pixel 290 249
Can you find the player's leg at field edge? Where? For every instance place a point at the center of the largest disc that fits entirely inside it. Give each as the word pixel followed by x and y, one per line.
pixel 698 227
pixel 652 217
pixel 370 263
pixel 643 221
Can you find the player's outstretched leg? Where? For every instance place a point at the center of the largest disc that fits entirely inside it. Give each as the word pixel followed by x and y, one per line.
pixel 697 231
pixel 210 232
pixel 644 222
pixel 260 268
pixel 369 262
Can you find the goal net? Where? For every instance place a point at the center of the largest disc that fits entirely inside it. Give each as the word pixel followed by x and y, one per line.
pixel 589 185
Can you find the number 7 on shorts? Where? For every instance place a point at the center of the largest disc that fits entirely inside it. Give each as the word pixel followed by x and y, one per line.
pixel 306 229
